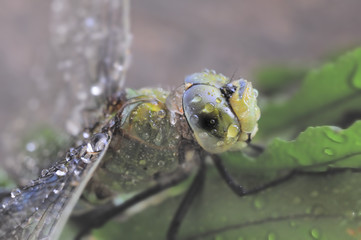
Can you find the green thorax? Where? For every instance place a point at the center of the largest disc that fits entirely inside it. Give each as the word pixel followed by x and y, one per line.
pixel 145 144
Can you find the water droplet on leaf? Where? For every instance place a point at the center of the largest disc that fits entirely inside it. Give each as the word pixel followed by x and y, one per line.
pixel 328 151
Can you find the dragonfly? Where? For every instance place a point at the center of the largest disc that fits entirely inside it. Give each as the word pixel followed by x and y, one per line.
pixel 141 142
pixel 145 140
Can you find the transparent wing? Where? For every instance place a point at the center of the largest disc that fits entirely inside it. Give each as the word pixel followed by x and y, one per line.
pixel 41 209
pixel 91 41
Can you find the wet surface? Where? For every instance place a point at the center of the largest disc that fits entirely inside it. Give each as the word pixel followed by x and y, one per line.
pixel 173 39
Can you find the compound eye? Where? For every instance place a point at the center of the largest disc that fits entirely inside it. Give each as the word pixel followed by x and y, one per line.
pixel 214 125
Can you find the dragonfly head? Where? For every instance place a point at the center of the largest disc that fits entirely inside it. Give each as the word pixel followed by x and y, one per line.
pixel 222 114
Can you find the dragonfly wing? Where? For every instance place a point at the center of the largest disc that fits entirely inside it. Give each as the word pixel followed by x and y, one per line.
pixel 41 209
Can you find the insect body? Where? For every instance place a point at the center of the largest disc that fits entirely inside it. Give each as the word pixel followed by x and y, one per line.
pixel 151 133
pixel 140 144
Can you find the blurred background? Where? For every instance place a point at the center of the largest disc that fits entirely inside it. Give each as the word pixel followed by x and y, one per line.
pixel 175 38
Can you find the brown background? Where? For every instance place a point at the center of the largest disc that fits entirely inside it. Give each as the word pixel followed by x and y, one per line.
pixel 173 38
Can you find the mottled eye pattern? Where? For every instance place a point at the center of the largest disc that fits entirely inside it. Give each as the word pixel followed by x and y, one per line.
pixel 222 114
pixel 215 126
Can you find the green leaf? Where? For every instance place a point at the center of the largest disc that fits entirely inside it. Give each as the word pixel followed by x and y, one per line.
pixel 324 98
pixel 316 205
pixel 319 147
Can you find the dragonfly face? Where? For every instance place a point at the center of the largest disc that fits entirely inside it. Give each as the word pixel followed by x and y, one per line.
pixel 222 114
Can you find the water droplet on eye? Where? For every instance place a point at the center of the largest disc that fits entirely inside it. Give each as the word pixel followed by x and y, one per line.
pixel 220 143
pixel 161 163
pixel 196 99
pixel 194 119
pixel 328 151
pixel 335 136
pixel 208 108
pixel 214 131
pixel 62 170
pixel 203 134
pixel 271 236
pixel 232 131
pixel 14 193
pixel 31 147
pixel 315 233
pixel 161 113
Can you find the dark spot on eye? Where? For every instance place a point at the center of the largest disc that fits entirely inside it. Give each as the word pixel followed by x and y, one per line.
pixel 207 122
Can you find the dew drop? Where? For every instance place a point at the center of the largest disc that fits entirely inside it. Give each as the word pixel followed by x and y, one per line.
pixel 328 151
pixel 220 143
pixel 59 188
pixel 161 163
pixel 335 136
pixel 258 204
pixel 232 131
pixel 5 203
pixel 315 233
pixel 194 119
pixel 293 224
pixel 271 236
pixel 317 209
pixel 86 159
pixel 208 108
pixel 44 172
pixel 98 142
pixel 158 139
pixel 14 193
pixel 203 134
pixel 145 136
pixel 62 170
pixel 161 113
pixel 196 99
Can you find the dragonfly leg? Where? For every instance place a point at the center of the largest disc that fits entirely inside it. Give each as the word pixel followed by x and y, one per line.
pixel 186 202
pixel 241 191
pixel 98 217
